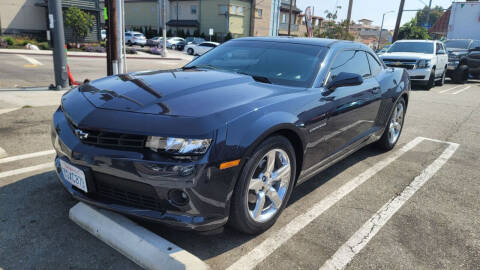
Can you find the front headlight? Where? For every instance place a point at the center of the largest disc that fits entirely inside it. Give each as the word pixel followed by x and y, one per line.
pixel 423 63
pixel 178 145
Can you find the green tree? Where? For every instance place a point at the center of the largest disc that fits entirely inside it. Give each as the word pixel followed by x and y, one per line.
pixel 333 30
pixel 435 14
pixel 80 23
pixel 411 30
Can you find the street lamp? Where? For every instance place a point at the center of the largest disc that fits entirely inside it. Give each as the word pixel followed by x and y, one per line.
pixel 381 28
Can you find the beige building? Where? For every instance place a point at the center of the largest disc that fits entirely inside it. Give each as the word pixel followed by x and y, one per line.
pixel 23 17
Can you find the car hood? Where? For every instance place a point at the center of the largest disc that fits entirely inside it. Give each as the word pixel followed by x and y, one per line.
pixel 457 51
pixel 406 55
pixel 185 93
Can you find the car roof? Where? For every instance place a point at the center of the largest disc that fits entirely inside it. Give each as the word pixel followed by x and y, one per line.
pixel 324 42
pixel 418 40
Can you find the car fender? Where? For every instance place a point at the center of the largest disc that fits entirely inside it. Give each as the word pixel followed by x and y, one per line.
pixel 249 131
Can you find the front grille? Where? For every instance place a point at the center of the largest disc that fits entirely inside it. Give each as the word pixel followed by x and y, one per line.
pixel 108 139
pixel 406 66
pixel 126 192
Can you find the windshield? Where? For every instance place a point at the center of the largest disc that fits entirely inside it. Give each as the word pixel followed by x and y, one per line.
pixel 458 44
pixel 281 63
pixel 415 47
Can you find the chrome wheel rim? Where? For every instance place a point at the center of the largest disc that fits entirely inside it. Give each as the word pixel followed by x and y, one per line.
pixel 268 185
pixel 396 123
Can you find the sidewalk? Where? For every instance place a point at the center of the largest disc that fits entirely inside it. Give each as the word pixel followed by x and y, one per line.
pixel 172 55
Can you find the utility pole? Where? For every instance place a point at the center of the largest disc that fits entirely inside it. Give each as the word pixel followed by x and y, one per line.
pixel 349 14
pixel 399 19
pixel 290 17
pixel 381 29
pixel 113 32
pixel 164 30
pixel 427 22
pixel 119 31
pixel 59 56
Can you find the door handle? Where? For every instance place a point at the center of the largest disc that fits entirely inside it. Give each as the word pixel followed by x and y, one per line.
pixel 327 98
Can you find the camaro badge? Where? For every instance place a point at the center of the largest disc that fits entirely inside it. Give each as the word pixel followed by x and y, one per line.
pixel 81 134
pixel 398 63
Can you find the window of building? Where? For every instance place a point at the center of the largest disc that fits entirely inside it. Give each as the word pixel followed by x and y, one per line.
pixel 194 10
pixel 284 18
pixel 259 12
pixel 233 9
pixel 240 11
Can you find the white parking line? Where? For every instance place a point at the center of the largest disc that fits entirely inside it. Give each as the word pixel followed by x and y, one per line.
pixel 31 60
pixel 25 156
pixel 360 239
pixel 455 87
pixel 461 90
pixel 273 242
pixel 26 169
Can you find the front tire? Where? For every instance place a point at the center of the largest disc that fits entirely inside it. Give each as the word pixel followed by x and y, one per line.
pixel 394 126
pixel 264 187
pixel 190 51
pixel 460 74
pixel 174 47
pixel 441 82
pixel 431 80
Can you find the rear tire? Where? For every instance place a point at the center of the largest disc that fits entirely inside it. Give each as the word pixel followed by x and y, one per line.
pixel 460 75
pixel 387 141
pixel 253 189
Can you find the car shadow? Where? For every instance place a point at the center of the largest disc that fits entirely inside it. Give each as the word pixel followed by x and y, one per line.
pixel 209 246
pixel 36 232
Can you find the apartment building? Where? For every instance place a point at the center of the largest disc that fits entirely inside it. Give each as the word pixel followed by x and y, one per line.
pixel 265 18
pixel 284 18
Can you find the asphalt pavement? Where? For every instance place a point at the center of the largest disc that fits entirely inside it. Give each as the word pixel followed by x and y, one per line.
pixel 415 207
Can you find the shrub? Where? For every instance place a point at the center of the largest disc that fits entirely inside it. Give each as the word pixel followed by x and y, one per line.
pixel 44 45
pixel 10 41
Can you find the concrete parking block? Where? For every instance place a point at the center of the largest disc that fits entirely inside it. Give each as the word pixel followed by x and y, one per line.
pixel 143 247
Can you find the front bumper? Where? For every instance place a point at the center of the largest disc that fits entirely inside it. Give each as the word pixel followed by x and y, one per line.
pixel 130 183
pixel 419 74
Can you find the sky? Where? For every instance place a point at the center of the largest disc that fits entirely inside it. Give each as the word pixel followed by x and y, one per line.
pixel 371 9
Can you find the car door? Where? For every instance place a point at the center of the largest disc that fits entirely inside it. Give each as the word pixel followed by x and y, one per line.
pixel 201 48
pixel 351 109
pixel 473 57
pixel 442 59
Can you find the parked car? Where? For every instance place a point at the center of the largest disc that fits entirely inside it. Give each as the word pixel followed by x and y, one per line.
pixel 463 59
pixel 176 43
pixel 191 42
pixel 425 60
pixel 199 49
pixel 155 41
pixel 135 38
pixel 103 34
pixel 228 136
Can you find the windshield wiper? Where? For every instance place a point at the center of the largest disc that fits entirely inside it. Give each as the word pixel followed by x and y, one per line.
pixel 257 78
pixel 200 66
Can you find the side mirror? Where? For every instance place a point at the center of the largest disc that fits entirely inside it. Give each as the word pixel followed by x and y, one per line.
pixel 441 52
pixel 345 79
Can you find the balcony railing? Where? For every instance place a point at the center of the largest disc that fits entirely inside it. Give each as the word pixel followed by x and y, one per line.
pixel 284 27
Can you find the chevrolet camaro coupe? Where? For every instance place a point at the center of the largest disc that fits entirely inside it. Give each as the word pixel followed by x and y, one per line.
pixel 226 138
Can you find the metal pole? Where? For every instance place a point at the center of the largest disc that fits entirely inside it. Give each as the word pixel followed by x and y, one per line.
pixel 349 14
pixel 399 19
pixel 113 23
pixel 124 51
pixel 427 22
pixel 380 34
pixel 290 17
pixel 164 30
pixel 119 32
pixel 108 41
pixel 59 56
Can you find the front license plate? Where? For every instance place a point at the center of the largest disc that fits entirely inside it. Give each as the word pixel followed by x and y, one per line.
pixel 74 175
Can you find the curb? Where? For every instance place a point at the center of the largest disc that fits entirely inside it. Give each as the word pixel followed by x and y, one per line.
pixel 143 247
pixel 96 56
pixel 31 89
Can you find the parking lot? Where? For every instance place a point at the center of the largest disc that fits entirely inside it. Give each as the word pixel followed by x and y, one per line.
pixel 415 207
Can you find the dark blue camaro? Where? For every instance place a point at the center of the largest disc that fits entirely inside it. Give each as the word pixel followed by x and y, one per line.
pixel 227 137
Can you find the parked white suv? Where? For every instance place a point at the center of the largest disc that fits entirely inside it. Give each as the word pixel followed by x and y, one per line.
pixel 135 38
pixel 425 60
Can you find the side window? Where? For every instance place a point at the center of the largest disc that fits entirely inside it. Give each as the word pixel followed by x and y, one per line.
pixel 375 67
pixel 203 44
pixel 439 47
pixel 351 62
pixel 475 44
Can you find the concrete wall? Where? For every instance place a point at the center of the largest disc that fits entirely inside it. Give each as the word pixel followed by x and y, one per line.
pixel 184 10
pixel 22 16
pixel 211 17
